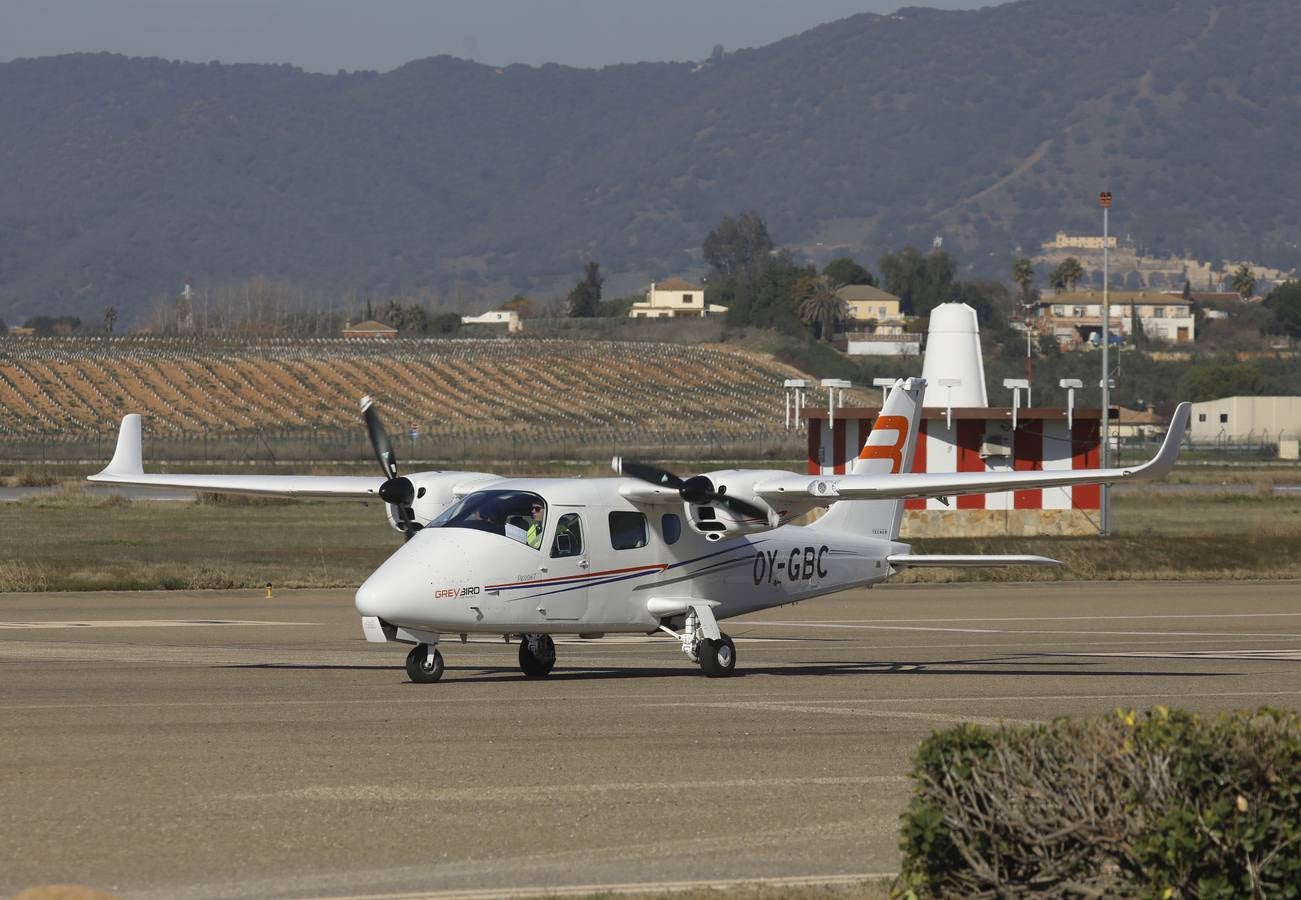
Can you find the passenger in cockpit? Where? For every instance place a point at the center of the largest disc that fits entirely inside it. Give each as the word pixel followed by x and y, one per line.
pixel 488 517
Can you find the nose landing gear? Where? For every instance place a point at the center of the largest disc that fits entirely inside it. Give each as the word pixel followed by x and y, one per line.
pixel 424 664
pixel 537 655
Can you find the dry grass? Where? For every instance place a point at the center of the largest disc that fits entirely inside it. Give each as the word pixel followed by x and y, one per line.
pixel 18 575
pixel 1229 536
pixel 69 540
pixel 32 478
pixel 95 543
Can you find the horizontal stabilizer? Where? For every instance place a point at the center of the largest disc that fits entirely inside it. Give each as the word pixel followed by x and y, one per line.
pixel 965 561
pixel 910 485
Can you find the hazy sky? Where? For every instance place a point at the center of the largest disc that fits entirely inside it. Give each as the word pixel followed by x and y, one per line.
pixel 326 35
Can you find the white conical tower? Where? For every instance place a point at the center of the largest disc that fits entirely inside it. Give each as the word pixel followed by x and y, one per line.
pixel 953 354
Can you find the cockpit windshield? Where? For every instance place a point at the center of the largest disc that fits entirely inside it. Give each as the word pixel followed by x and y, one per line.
pixel 519 515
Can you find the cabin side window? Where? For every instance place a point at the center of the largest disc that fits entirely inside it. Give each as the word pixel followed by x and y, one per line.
pixel 671 526
pixel 569 537
pixel 627 530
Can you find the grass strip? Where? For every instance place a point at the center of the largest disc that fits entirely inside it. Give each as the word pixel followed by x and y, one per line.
pixel 72 541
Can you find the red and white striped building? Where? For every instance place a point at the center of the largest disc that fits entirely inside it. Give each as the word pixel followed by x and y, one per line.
pixel 980 439
pixel 966 434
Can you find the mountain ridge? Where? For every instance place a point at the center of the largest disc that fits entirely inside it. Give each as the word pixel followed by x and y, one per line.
pixel 993 128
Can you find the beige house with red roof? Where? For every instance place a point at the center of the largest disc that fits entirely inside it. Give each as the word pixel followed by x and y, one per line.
pixel 871 304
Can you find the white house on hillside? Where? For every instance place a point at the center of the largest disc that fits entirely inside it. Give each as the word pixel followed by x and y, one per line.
pixel 674 298
pixel 1074 318
pixel 508 317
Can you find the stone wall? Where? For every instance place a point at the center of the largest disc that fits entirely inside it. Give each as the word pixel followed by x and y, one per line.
pixel 932 523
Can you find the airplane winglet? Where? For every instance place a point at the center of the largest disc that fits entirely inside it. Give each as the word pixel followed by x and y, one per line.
pixel 1161 465
pixel 128 458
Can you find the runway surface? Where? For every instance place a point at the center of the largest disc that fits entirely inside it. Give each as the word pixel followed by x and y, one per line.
pixel 219 744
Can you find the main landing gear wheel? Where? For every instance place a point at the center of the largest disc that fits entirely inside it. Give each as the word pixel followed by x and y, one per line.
pixel 420 668
pixel 537 655
pixel 717 657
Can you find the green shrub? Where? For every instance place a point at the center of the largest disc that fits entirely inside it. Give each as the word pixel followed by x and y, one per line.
pixel 1160 805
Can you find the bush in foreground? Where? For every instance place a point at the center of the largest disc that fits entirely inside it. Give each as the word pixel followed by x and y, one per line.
pixel 1162 805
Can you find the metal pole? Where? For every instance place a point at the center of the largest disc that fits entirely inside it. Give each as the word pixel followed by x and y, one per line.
pixel 1029 365
pixel 1106 364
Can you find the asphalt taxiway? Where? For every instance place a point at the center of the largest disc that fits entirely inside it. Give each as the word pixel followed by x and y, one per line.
pixel 220 744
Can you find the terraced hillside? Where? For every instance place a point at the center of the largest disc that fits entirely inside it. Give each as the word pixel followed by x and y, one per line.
pixel 545 389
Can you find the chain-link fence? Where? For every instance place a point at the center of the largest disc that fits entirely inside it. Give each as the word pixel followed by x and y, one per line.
pixel 1253 446
pixel 311 445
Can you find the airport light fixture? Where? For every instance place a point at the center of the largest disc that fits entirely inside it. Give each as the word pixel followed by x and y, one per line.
pixel 1070 384
pixel 833 385
pixel 950 384
pixel 1016 385
pixel 884 384
pixel 795 388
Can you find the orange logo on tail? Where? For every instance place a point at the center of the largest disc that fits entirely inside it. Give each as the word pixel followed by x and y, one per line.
pixel 894 452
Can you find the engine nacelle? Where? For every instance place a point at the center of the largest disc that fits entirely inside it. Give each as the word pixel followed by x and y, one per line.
pixel 435 491
pixel 716 522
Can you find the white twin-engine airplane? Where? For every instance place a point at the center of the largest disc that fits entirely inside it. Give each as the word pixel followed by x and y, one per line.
pixel 640 553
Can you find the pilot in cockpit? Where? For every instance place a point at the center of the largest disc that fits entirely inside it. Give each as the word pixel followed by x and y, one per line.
pixel 517 515
pixel 533 537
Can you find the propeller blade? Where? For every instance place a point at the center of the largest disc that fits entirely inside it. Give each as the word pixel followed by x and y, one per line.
pixel 379 439
pixel 397 491
pixel 653 474
pixel 409 523
pixel 744 507
pixel 696 489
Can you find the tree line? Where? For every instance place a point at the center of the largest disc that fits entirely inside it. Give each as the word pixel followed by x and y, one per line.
pixel 762 286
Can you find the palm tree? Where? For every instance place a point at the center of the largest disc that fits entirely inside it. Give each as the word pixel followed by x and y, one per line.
pixel 1066 274
pixel 1023 275
pixel 1244 281
pixel 824 306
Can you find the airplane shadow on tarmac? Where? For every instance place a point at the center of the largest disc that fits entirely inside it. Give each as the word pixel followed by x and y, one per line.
pixel 1019 665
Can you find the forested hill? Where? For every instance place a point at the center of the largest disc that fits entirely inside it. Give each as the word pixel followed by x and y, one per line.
pixel 994 128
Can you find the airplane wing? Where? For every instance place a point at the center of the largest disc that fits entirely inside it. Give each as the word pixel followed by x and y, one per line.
pixel 947 484
pixel 127 467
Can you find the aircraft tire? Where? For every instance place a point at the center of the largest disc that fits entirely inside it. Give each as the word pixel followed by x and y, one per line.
pixel 418 668
pixel 717 657
pixel 532 666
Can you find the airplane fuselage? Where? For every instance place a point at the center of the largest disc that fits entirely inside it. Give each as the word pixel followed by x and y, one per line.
pixel 464 580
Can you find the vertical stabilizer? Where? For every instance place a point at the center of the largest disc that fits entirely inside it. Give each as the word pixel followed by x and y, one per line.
pixel 890 447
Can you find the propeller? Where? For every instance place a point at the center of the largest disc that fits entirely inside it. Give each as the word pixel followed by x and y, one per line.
pixel 697 489
pixel 396 490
